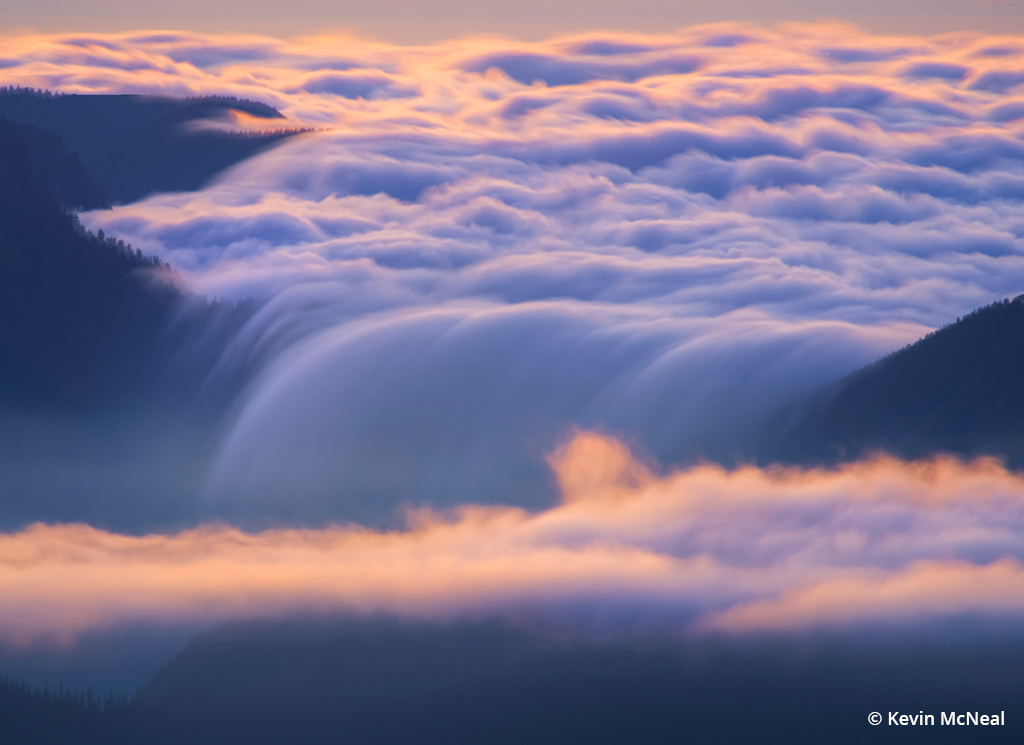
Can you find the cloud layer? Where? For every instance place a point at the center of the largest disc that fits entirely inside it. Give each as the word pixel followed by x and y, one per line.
pixel 695 550
pixel 488 241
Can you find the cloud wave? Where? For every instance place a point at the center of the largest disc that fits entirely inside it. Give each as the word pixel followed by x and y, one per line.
pixel 488 240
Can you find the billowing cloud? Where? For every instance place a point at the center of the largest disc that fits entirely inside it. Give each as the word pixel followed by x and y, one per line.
pixel 880 542
pixel 487 241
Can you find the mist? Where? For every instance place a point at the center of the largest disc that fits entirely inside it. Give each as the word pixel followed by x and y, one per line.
pixel 692 551
pixel 626 256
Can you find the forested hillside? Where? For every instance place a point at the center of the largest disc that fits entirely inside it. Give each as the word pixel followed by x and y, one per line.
pixel 133 145
pixel 42 159
pixel 385 681
pixel 105 361
pixel 79 313
pixel 44 717
pixel 959 390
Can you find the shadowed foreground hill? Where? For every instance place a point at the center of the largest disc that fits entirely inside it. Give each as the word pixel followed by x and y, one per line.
pixel 42 717
pixel 958 390
pixel 134 145
pixel 377 681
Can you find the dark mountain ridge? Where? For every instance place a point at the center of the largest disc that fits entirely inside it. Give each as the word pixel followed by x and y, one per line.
pixel 134 145
pixel 85 319
pixel 958 390
pixel 77 311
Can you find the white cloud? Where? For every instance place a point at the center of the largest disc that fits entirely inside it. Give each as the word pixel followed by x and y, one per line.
pixel 490 240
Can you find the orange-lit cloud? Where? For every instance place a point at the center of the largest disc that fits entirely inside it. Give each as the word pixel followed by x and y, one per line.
pixel 750 549
pixel 932 589
pixel 668 235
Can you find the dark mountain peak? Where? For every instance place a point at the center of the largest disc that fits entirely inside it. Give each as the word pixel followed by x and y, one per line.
pixel 959 390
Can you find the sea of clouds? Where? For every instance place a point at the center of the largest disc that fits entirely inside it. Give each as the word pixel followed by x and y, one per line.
pixel 484 243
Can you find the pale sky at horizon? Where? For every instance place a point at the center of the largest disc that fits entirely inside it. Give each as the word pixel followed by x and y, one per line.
pixel 405 21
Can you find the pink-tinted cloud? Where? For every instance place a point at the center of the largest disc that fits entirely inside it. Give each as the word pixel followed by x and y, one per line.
pixel 927 589
pixel 880 541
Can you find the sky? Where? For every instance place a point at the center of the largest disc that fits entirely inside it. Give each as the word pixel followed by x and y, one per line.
pixel 405 21
pixel 514 291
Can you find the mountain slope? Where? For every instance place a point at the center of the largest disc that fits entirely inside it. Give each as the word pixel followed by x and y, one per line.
pixel 133 145
pixel 958 390
pixel 42 158
pixel 108 412
pixel 78 312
